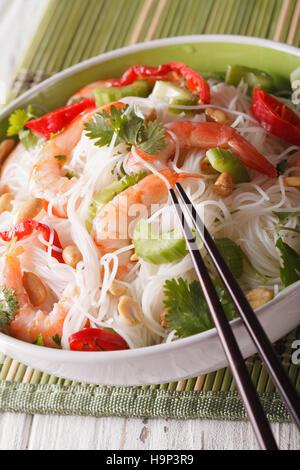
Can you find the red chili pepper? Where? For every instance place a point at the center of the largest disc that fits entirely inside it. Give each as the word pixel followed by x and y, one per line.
pixel 276 117
pixel 57 120
pixel 94 339
pixel 194 81
pixel 25 229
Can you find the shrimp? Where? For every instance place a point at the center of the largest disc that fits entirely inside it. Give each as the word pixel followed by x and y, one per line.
pixel 205 135
pixel 114 224
pixel 47 180
pixel 30 322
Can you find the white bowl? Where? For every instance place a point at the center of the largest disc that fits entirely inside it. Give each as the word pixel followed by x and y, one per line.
pixel 183 358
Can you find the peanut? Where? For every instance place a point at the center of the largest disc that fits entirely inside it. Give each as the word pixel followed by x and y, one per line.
pixel 117 289
pixel 224 185
pixel 5 202
pixel 259 296
pixel 206 168
pixel 5 148
pixel 291 181
pixel 134 257
pixel 130 310
pixel 152 116
pixel 71 255
pixel 29 209
pixel 216 115
pixel 35 289
pixel 162 319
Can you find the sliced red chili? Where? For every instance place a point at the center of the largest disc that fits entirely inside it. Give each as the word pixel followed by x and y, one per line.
pixel 194 81
pixel 26 228
pixel 54 122
pixel 96 339
pixel 276 117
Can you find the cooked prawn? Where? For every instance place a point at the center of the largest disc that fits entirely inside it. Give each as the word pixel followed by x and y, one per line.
pixel 205 135
pixel 30 322
pixel 47 178
pixel 114 224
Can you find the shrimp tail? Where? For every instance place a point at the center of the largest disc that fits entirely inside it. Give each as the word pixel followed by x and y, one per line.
pixel 173 177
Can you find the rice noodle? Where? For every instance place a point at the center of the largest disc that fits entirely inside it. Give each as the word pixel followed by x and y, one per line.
pixel 245 217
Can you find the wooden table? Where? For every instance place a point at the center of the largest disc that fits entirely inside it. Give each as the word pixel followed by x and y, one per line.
pixel 20 431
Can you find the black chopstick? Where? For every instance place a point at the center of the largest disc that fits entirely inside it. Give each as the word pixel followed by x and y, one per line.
pixel 265 349
pixel 235 359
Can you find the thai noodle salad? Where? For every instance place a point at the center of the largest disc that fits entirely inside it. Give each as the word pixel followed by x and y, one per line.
pixel 91 254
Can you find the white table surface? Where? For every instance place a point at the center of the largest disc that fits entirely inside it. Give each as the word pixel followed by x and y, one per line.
pixel 21 431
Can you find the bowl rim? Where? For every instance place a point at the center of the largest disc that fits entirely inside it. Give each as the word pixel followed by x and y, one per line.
pixel 81 356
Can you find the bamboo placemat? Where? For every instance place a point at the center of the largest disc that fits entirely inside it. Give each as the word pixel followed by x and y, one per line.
pixel 75 30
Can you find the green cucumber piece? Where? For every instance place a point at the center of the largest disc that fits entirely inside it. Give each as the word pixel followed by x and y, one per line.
pixel 106 194
pixel 104 95
pixel 295 76
pixel 174 94
pixel 253 77
pixel 158 249
pixel 225 161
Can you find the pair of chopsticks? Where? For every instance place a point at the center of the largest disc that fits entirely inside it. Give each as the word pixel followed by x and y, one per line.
pixel 232 351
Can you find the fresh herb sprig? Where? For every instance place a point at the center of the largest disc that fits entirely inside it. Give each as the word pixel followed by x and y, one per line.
pixel 9 306
pixel 130 127
pixel 17 121
pixel 188 312
pixel 289 263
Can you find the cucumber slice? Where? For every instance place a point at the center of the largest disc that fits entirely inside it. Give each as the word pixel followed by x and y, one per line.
pixel 157 249
pixel 295 77
pixel 225 162
pixel 106 194
pixel 174 94
pixel 104 95
pixel 253 77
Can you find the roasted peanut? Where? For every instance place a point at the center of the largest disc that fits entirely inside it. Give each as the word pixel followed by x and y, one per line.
pixel 5 148
pixel 162 319
pixel 291 181
pixel 130 310
pixel 259 296
pixel 29 209
pixel 224 185
pixel 216 115
pixel 35 289
pixel 5 202
pixel 134 257
pixel 152 116
pixel 117 289
pixel 206 168
pixel 71 255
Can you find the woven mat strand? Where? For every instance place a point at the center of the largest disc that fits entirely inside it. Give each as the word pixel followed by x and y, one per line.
pixel 60 41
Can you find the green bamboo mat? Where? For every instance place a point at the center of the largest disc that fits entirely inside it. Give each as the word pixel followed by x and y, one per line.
pixel 75 30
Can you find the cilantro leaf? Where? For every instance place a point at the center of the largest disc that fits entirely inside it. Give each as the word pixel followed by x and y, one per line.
pixel 188 312
pixel 282 167
pixel 39 341
pixel 61 159
pixel 27 138
pixel 57 339
pixel 151 138
pixel 9 306
pixel 130 127
pixel 232 254
pixel 289 263
pixel 17 121
pixel 99 128
pixel 286 215
pixel 71 174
